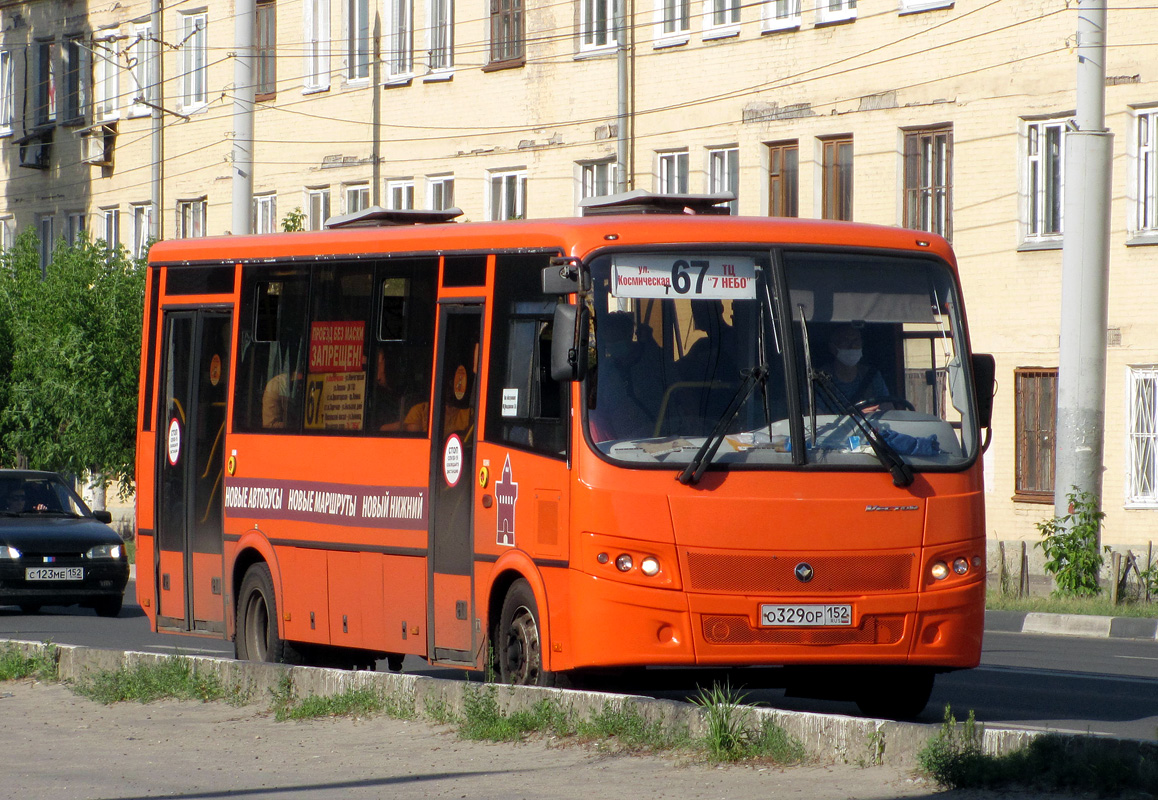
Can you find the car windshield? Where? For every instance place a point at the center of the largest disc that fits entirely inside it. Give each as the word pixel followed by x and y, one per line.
pixel 39 494
pixel 694 354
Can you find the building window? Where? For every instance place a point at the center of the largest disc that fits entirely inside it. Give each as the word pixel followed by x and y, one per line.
pixel 1142 438
pixel 783 179
pixel 265 213
pixel 191 218
pixel 142 55
pixel 317 208
pixel 7 87
pixel 400 195
pixel 7 231
pixel 46 230
pixel 106 78
pixel 316 22
pixel 440 192
pixel 1035 397
pixel 265 51
pixel 400 36
pixel 358 40
pixel 357 198
pixel 76 223
pixel 507 42
pixel 835 11
pixel 1147 172
pixel 781 14
pixel 75 79
pixel 929 180
pixel 597 24
pixel 673 20
pixel 721 17
pixel 836 178
pixel 724 174
pixel 1044 176
pixel 673 172
pixel 441 35
pixel 45 94
pixel 508 195
pixel 142 228
pixel 597 178
pixel 111 227
pixel 192 87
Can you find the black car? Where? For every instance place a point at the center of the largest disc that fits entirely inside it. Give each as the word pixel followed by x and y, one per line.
pixel 54 551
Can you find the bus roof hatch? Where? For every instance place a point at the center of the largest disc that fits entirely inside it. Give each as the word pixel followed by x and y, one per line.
pixel 376 216
pixel 641 201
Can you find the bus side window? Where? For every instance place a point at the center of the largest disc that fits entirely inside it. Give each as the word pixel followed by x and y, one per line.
pixel 337 379
pixel 271 349
pixel 403 347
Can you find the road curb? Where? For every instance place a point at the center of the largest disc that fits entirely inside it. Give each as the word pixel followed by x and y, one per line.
pixel 827 738
pixel 1082 625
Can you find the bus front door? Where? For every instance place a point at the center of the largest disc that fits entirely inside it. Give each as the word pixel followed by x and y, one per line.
pixel 454 424
pixel 188 561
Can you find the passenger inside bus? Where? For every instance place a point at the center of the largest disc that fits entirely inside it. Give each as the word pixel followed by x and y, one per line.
pixel 276 400
pixel 630 386
pixel 391 401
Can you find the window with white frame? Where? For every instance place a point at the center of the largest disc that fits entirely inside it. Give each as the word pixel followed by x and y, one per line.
pixel 106 77
pixel 721 17
pixel 1142 437
pixel 192 83
pixel 357 40
pixel 1044 171
pixel 76 76
pixel 400 194
pixel 672 172
pixel 357 196
pixel 142 229
pixel 597 178
pixel 7 87
pixel 724 173
pixel 316 33
pixel 508 194
pixel 672 20
pixel 928 177
pixel 46 230
pixel 111 226
pixel 7 231
pixel 597 24
pixel 264 213
pixel 76 225
pixel 191 218
pixel 400 39
pixel 44 97
pixel 835 11
pixel 440 192
pixel 440 35
pixel 142 63
pixel 1146 171
pixel 317 207
pixel 781 14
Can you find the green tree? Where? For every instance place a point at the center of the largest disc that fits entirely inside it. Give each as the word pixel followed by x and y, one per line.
pixel 75 333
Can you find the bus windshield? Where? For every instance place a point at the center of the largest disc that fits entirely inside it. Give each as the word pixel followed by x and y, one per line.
pixel 857 365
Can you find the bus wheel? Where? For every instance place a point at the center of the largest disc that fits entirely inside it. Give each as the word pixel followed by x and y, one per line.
pixel 256 636
pixel 519 646
pixel 897 693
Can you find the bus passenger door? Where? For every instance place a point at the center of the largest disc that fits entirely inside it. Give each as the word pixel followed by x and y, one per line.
pixel 189 554
pixel 454 433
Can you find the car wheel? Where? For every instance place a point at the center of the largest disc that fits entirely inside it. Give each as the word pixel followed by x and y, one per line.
pixel 256 637
pixel 519 643
pixel 108 606
pixel 30 608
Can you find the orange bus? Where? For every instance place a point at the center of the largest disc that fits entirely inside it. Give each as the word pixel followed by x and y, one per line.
pixel 548 446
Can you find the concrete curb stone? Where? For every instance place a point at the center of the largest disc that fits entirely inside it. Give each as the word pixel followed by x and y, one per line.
pixel 1084 625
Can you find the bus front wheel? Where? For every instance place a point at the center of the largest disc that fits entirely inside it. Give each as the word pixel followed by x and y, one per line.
pixel 256 637
pixel 519 643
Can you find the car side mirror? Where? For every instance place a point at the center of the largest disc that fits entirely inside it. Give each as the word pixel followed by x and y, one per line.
pixel 103 516
pixel 569 342
pixel 984 382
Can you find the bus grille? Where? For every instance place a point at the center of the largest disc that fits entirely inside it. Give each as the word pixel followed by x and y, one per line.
pixel 753 574
pixel 728 629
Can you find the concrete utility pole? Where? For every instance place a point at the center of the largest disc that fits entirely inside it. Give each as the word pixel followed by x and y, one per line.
pixel 153 95
pixel 621 95
pixel 243 93
pixel 1085 268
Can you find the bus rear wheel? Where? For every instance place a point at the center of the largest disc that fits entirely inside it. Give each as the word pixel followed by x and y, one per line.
pixel 899 693
pixel 256 637
pixel 519 646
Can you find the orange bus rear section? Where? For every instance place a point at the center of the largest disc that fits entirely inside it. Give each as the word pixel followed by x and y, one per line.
pixel 503 525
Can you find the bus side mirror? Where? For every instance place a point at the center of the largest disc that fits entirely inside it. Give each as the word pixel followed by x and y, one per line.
pixel 562 277
pixel 984 381
pixel 569 342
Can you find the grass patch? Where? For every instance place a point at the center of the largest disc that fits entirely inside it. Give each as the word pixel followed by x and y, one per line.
pixel 169 678
pixel 631 730
pixel 15 664
pixel 1106 767
pixel 358 702
pixel 483 719
pixel 1100 606
pixel 730 736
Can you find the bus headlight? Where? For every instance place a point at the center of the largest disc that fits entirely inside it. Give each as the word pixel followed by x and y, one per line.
pixel 960 566
pixel 940 571
pixel 649 566
pixel 624 562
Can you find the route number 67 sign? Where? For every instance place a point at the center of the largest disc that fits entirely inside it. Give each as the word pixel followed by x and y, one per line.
pixel 694 277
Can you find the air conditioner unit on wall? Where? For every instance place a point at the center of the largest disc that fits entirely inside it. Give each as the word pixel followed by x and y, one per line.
pixel 36 148
pixel 96 144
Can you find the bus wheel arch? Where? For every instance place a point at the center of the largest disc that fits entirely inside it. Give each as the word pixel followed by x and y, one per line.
pixel 519 638
pixel 256 632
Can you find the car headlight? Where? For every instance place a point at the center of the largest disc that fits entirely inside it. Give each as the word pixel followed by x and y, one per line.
pixel 9 552
pixel 104 551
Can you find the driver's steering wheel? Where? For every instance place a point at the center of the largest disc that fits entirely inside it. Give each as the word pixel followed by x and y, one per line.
pixel 897 401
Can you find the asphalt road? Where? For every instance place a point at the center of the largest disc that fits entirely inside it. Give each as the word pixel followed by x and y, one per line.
pixel 1104 686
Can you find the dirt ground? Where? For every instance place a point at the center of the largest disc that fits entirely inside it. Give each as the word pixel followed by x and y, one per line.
pixel 56 744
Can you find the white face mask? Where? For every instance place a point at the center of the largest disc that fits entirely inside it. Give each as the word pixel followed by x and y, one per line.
pixel 850 358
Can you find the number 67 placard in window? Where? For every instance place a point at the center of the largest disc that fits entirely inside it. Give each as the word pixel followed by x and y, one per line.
pixel 698 277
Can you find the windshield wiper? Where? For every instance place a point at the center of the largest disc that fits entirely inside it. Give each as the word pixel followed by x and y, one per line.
pixel 692 473
pixel 886 453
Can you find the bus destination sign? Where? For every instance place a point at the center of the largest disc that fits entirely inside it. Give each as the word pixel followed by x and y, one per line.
pixel 710 277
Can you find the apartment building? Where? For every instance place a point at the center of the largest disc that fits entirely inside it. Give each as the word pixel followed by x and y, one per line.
pixel 942 116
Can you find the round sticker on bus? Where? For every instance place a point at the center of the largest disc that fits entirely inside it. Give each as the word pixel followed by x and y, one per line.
pixel 215 370
pixel 452 460
pixel 460 382
pixel 174 441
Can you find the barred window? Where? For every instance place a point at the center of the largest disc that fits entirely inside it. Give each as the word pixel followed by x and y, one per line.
pixel 1035 391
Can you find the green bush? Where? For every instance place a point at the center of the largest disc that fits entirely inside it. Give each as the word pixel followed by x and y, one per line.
pixel 1070 544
